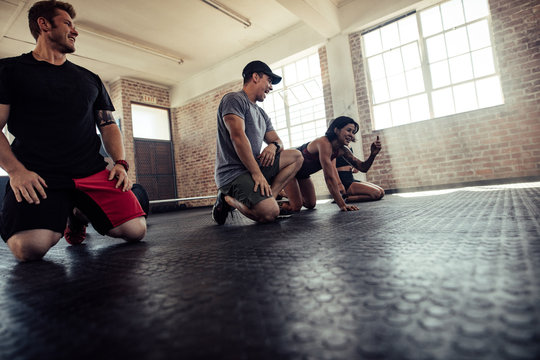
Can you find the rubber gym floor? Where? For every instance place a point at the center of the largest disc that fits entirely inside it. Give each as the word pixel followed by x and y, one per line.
pixel 449 274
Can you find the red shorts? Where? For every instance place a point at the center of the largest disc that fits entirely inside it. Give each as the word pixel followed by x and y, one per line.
pixel 105 206
pixel 105 203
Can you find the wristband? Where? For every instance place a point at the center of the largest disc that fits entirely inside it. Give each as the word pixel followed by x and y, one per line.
pixel 124 163
pixel 277 146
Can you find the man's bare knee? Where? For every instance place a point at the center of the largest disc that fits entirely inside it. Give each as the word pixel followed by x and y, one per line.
pixel 132 231
pixel 292 156
pixel 266 211
pixel 32 245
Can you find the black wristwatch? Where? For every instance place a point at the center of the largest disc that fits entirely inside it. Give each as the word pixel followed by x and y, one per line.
pixel 277 146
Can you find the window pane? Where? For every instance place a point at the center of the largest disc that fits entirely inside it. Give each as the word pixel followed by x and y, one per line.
pixel 415 81
pixel 489 92
pixel 436 48
pixel 390 36
pixel 457 42
pixel 475 9
pixel 419 106
pixel 302 69
pixel 380 91
pixel 440 74
pixel 376 67
pixel 301 93
pixel 382 116
pixel 431 21
pixel 314 88
pixel 314 66
pixel 290 74
pixel 392 62
pixel 465 97
pixel 461 68
pixel 452 14
pixel 284 136
pixel 400 112
pixel 479 35
pixel 150 122
pixel 483 62
pixel 408 29
pixel 397 86
pixel 443 102
pixel 372 42
pixel 411 56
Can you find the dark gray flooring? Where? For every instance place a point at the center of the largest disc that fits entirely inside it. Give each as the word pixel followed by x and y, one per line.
pixel 445 276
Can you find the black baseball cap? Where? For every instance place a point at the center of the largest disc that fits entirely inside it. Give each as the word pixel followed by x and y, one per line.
pixel 258 66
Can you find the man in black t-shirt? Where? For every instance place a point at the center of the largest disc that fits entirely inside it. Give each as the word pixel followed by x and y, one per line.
pixel 52 108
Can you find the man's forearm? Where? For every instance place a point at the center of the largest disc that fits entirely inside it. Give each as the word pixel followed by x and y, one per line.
pixel 112 140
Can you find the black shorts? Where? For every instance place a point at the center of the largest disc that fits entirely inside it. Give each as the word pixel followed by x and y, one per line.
pixel 96 196
pixel 241 188
pixel 347 179
pixel 50 214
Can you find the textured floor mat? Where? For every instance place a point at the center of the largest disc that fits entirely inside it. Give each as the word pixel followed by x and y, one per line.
pixel 438 275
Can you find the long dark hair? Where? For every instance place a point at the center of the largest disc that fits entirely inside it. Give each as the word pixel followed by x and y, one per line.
pixel 339 123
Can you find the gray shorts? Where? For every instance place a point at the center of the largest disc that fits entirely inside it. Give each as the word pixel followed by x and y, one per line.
pixel 241 188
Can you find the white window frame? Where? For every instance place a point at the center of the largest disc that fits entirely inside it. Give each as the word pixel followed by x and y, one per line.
pixel 382 114
pixel 288 115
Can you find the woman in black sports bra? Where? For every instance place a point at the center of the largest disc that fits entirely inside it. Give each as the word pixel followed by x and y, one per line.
pixel 321 154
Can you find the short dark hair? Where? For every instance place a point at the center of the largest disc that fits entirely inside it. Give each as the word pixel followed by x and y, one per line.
pixel 339 123
pixel 48 10
pixel 247 78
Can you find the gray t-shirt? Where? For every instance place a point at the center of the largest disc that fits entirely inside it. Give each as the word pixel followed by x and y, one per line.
pixel 257 124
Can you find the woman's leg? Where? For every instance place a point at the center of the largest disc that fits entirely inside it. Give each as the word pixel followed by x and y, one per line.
pixel 364 191
pixel 309 198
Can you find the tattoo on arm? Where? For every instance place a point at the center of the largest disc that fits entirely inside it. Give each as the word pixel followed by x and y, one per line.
pixel 104 118
pixel 348 155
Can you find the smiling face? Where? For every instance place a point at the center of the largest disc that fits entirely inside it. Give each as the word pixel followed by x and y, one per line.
pixel 62 34
pixel 345 135
pixel 263 86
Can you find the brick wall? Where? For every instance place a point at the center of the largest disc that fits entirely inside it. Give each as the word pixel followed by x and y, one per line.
pixel 501 142
pixel 123 93
pixel 195 129
pixel 325 77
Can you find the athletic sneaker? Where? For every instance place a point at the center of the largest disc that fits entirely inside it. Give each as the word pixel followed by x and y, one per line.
pixel 284 213
pixel 75 236
pixel 221 209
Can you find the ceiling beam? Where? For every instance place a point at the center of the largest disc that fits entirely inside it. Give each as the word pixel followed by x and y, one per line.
pixel 21 5
pixel 320 15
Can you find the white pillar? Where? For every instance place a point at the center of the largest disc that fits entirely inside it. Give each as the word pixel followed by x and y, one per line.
pixel 342 85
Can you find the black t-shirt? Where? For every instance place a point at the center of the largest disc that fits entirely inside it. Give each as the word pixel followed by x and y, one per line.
pixel 52 116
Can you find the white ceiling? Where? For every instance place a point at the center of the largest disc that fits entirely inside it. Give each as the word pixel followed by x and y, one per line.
pixel 122 38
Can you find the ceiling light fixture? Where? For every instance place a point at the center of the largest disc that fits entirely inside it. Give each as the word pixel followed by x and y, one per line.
pixel 86 29
pixel 229 12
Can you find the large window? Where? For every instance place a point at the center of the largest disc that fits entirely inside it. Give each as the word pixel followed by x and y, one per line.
pixel 296 105
pixel 432 63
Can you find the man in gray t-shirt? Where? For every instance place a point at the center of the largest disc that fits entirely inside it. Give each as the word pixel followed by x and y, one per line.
pixel 249 179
